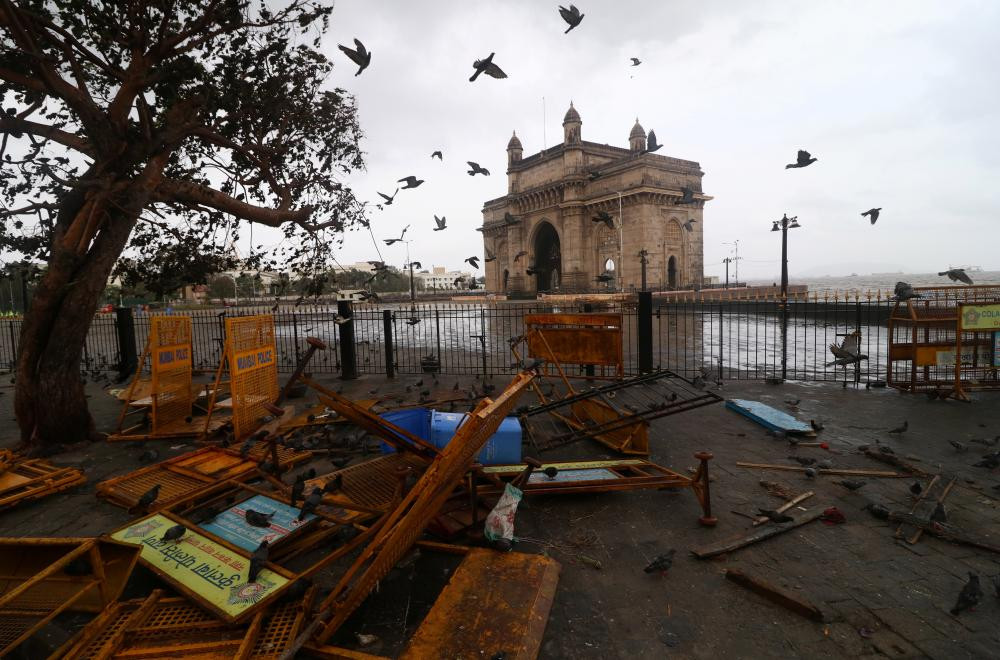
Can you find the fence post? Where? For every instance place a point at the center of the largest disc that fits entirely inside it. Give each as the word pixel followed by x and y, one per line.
pixel 13 344
pixel 348 359
pixel 589 369
pixel 390 359
pixel 722 336
pixel 128 358
pixel 644 331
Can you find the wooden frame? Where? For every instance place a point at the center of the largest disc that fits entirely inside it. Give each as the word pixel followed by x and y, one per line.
pixel 26 479
pixel 182 476
pixel 35 587
pixel 587 339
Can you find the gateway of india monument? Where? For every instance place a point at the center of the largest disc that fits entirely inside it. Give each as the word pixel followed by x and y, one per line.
pixel 553 198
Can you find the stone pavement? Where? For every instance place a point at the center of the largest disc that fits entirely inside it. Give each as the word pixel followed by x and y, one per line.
pixel 883 598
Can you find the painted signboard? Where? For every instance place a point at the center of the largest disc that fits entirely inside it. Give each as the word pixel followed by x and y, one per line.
pixel 255 358
pixel 232 526
pixel 172 357
pixel 980 317
pixel 209 571
pixel 564 476
pixel 996 349
pixel 947 358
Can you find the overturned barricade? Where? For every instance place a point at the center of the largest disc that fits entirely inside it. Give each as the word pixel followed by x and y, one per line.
pixel 26 479
pixel 42 577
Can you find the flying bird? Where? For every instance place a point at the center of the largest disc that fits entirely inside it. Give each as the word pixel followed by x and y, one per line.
pixel 437 154
pixel 687 195
pixel 848 351
pixel 957 275
pixel 488 67
pixel 458 281
pixel 571 16
pixel 519 255
pixel 411 182
pixel 473 261
pixel 360 56
pixel 689 224
pixel 476 168
pixel 635 61
pixel 387 198
pixel 341 320
pixel 872 214
pixel 651 143
pixel 606 218
pixel 442 223
pixel 904 291
pixel 489 256
pixel 969 596
pixel 390 241
pixel 804 159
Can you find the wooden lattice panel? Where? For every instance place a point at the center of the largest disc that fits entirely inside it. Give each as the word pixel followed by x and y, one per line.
pixel 185 475
pixel 24 480
pixel 372 483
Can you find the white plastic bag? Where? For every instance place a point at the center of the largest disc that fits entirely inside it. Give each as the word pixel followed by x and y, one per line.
pixel 500 522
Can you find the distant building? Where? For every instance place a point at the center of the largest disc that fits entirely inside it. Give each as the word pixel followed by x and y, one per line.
pixel 554 196
pixel 363 266
pixel 439 278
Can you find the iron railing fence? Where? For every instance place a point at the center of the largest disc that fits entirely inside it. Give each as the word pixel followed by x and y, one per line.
pixel 737 339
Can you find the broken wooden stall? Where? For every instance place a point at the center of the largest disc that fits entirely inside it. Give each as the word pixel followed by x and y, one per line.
pixel 42 577
pixel 162 626
pixel 185 475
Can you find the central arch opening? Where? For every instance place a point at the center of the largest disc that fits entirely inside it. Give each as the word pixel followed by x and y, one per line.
pixel 672 273
pixel 548 258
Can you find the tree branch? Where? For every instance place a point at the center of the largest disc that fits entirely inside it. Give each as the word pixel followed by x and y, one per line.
pixel 193 194
pixel 9 124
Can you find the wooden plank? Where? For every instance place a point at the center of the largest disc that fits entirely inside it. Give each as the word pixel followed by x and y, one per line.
pixel 759 534
pixel 768 417
pixel 494 603
pixel 775 594
pixel 946 531
pixel 760 520
pixel 843 472
pixel 920 498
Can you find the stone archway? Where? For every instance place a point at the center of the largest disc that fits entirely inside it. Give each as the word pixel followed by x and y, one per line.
pixel 548 258
pixel 672 272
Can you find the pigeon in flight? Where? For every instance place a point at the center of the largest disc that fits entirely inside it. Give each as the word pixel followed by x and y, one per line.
pixel 437 154
pixel 970 595
pixel 688 225
pixel 442 223
pixel 651 143
pixel 458 282
pixel 571 16
pixel 804 159
pixel 380 265
pixel 957 275
pixel 635 61
pixel 904 291
pixel 509 219
pixel 687 195
pixel 606 218
pixel 489 256
pixel 488 67
pixel 477 169
pixel 391 241
pixel 848 351
pixel 473 261
pixel 519 255
pixel 387 198
pixel 872 214
pixel 411 182
pixel 361 56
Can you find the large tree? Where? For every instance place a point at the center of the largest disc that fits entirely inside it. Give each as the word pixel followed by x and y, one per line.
pixel 151 128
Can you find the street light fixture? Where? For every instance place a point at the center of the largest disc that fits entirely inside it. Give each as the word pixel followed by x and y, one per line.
pixel 783 226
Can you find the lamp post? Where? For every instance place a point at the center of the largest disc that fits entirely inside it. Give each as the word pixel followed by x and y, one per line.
pixel 783 226
pixel 621 252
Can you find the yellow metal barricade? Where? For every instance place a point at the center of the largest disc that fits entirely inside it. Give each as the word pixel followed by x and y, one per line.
pixel 170 366
pixel 253 369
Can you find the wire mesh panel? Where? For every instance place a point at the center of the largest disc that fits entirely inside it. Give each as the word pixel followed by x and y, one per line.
pixel 253 369
pixel 170 362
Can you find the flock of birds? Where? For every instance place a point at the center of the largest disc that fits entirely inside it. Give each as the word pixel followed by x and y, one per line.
pixel 362 57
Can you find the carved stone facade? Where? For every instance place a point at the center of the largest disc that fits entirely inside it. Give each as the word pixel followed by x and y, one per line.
pixel 543 234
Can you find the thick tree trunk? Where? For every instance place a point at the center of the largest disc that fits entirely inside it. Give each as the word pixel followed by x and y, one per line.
pixel 49 401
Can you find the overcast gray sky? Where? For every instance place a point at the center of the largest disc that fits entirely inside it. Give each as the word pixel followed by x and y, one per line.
pixel 899 101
